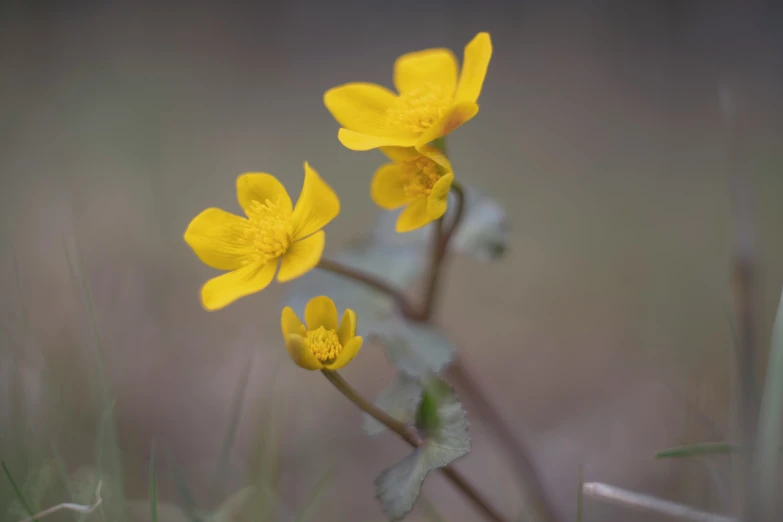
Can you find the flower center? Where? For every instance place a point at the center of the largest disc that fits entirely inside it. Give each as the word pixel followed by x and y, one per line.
pixel 419 109
pixel 324 344
pixel 419 176
pixel 270 230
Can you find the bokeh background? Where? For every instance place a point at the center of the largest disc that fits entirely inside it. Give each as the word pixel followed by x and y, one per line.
pixel 602 335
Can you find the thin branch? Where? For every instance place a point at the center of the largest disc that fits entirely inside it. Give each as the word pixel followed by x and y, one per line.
pixel 68 506
pixel 643 502
pixel 414 440
pixel 369 280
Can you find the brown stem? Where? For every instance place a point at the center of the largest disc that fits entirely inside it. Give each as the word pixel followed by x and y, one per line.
pixel 373 282
pixel 414 440
pixel 520 456
pixel 439 249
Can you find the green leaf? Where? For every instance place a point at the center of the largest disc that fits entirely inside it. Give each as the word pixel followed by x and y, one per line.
pixel 690 450
pixel 399 486
pixel 400 400
pixel 771 416
pixel 434 395
pixel 416 349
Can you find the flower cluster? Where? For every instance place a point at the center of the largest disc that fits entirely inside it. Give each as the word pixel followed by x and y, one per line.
pixel 274 237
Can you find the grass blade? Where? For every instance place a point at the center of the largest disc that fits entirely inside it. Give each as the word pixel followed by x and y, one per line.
pixel 771 415
pixel 153 486
pixel 188 502
pixel 691 450
pixel 16 489
pixel 109 462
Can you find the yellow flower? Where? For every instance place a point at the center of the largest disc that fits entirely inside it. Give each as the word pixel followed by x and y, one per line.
pixel 420 182
pixel 323 344
pixel 251 247
pixel 431 103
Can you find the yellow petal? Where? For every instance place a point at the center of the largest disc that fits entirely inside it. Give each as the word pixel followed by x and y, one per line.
pixel 359 141
pixel 387 190
pixel 218 239
pixel 436 155
pixel 413 216
pixel 347 329
pixel 227 288
pixel 362 107
pixel 321 311
pixel 259 186
pixel 300 352
pixel 456 116
pixel 438 200
pixel 474 68
pixel 302 257
pixel 429 69
pixel 290 323
pixel 317 205
pixel 398 154
pixel 347 354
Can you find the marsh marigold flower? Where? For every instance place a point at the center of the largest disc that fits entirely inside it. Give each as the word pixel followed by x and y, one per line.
pixel 419 181
pixel 322 344
pixel 432 99
pixel 250 247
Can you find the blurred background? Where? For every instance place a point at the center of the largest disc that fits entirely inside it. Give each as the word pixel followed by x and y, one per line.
pixel 602 335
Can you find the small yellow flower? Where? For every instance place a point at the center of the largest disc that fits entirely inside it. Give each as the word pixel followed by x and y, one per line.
pixel 323 344
pixel 251 247
pixel 420 182
pixel 431 103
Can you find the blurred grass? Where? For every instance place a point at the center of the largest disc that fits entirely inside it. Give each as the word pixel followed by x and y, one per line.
pixel 770 422
pixel 17 490
pixel 43 478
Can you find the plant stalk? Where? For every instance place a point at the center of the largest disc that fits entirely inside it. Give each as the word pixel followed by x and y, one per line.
pixel 414 440
pixel 440 247
pixel 373 282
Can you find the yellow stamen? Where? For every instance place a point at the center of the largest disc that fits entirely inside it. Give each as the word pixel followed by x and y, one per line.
pixel 324 344
pixel 269 231
pixel 419 176
pixel 419 109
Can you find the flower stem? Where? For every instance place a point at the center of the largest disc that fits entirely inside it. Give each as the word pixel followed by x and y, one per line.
pixel 440 247
pixel 373 282
pixel 414 440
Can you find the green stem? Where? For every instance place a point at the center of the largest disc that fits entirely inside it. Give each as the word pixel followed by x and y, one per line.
pixel 414 440
pixel 440 246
